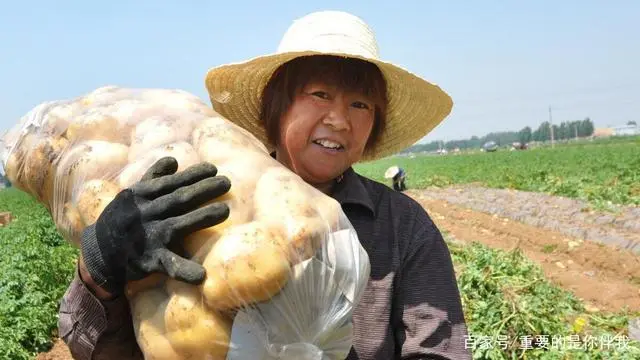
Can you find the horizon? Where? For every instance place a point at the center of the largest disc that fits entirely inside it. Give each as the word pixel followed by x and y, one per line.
pixel 503 64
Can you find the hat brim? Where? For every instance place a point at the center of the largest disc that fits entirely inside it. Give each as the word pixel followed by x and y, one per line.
pixel 415 106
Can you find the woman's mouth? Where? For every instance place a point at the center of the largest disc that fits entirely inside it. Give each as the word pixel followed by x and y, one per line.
pixel 328 144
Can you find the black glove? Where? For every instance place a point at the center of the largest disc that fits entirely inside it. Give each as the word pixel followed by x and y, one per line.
pixel 130 239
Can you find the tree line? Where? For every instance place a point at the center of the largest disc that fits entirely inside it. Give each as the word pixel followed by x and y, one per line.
pixel 564 131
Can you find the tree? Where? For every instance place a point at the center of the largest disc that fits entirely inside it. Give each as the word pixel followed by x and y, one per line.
pixel 525 135
pixel 632 123
pixel 587 127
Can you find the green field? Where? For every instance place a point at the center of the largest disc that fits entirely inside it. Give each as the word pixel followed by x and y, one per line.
pixel 599 172
pixel 36 266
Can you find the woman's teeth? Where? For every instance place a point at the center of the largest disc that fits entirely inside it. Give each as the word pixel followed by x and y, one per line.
pixel 328 144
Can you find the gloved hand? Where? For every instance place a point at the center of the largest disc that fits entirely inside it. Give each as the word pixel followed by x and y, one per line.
pixel 130 239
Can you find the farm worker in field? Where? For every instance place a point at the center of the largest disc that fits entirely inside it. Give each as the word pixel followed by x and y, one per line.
pixel 398 177
pixel 326 102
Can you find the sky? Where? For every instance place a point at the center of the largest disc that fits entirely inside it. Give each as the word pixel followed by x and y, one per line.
pixel 503 63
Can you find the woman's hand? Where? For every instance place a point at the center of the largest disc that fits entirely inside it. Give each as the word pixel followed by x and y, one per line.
pixel 130 238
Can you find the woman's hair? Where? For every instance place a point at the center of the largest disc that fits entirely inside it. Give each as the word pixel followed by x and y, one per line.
pixel 348 73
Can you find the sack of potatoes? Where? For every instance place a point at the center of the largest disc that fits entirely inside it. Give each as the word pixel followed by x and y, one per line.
pixel 284 271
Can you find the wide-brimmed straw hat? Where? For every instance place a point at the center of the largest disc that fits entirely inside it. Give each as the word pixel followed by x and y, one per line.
pixel 415 106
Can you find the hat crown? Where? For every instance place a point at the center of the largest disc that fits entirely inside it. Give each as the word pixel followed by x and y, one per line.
pixel 330 32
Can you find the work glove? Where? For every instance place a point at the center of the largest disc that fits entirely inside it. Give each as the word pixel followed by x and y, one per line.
pixel 132 236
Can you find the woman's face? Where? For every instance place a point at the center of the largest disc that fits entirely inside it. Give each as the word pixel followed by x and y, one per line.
pixel 324 131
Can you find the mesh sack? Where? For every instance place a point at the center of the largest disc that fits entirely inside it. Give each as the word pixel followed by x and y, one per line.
pixel 283 272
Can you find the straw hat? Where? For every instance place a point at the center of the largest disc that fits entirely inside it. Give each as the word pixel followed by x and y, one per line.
pixel 415 105
pixel 391 172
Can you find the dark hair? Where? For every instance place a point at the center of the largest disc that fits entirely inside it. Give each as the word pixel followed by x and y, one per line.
pixel 348 73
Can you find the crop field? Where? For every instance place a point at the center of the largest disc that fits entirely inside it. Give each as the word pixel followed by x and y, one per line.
pixel 507 296
pixel 600 172
pixel 36 265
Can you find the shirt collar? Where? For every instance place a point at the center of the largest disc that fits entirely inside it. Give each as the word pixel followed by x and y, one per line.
pixel 351 190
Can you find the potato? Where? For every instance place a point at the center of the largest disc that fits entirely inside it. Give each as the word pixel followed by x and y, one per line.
pixel 14 168
pixel 148 313
pixel 91 159
pixel 97 124
pixel 280 191
pixel 131 112
pixel 329 211
pixel 133 287
pixel 157 131
pixel 184 153
pixel 103 95
pixel 198 244
pixel 177 100
pixel 194 329
pixel 71 223
pixel 40 167
pixel 58 118
pixel 219 141
pixel 93 197
pixel 281 198
pixel 244 266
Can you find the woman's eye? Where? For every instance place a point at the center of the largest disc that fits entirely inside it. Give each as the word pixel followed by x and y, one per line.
pixel 361 105
pixel 321 94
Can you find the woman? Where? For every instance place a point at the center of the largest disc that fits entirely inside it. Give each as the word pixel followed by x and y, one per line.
pixel 319 115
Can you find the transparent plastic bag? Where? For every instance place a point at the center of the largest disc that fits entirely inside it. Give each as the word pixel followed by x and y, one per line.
pixel 284 271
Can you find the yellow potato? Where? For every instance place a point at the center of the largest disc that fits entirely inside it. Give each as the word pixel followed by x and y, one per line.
pixel 97 124
pixel 281 198
pixel 148 313
pixel 71 223
pixel 57 119
pixel 103 95
pixel 218 141
pixel 330 211
pixel 93 197
pixel 15 166
pixel 184 153
pixel 280 191
pixel 91 159
pixel 157 131
pixel 178 100
pixel 40 168
pixel 194 329
pixel 246 265
pixel 154 280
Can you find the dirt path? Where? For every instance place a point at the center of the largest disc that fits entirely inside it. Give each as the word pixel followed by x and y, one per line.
pixel 605 278
pixel 574 218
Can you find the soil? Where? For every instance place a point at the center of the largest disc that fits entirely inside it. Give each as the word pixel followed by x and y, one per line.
pixel 60 351
pixel 594 254
pixel 605 277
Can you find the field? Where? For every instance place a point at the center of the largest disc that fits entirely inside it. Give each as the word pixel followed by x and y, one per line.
pixel 517 279
pixel 36 266
pixel 600 172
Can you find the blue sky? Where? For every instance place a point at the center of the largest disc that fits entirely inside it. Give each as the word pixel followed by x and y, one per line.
pixel 502 62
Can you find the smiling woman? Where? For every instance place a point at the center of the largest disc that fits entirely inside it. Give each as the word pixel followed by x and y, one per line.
pixel 344 94
pixel 323 102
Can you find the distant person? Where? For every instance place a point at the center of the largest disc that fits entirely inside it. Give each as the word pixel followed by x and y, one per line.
pixel 398 176
pixel 398 180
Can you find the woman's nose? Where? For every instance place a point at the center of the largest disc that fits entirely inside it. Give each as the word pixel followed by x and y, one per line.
pixel 338 118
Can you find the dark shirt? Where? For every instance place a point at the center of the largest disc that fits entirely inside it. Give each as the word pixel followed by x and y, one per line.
pixel 411 307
